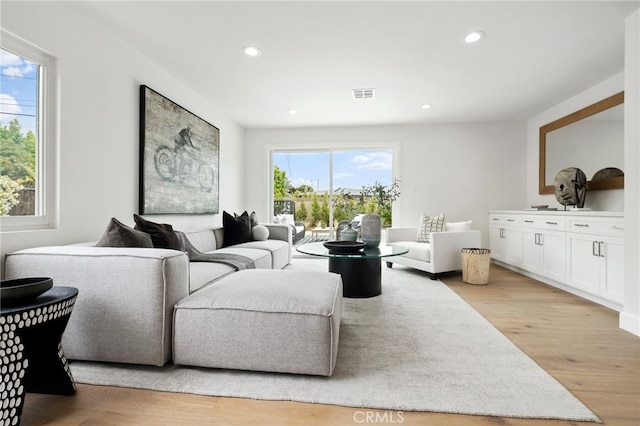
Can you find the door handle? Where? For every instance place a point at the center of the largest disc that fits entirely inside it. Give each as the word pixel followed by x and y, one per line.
pixel 594 248
pixel 600 250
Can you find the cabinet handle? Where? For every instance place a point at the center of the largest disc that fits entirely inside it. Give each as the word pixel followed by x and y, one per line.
pixel 539 239
pixel 581 225
pixel 600 250
pixel 501 232
pixel 528 221
pixel 552 223
pixel 495 218
pixel 619 228
pixel 536 239
pixel 595 244
pixel 511 220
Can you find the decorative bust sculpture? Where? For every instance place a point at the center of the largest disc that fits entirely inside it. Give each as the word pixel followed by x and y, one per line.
pixel 570 187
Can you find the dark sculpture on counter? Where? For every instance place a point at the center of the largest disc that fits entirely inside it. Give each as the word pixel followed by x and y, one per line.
pixel 570 187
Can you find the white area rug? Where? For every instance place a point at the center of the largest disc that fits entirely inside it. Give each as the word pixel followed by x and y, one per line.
pixel 417 347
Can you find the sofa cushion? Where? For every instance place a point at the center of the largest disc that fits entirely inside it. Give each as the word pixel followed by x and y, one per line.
pixel 204 273
pixel 161 234
pixel 417 250
pixel 428 225
pixel 278 249
pixel 118 234
pixel 204 240
pixel 237 229
pixel 262 258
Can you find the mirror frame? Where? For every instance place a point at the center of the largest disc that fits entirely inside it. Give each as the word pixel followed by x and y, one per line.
pixel 603 105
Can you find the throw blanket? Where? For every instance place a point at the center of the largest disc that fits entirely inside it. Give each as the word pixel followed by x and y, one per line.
pixel 236 261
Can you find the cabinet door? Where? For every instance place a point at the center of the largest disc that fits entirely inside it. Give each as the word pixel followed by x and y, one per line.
pixel 583 262
pixel 531 250
pixel 612 270
pixel 513 245
pixel 496 243
pixel 553 254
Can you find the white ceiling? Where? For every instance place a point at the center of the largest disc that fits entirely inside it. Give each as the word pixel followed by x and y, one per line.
pixel 535 54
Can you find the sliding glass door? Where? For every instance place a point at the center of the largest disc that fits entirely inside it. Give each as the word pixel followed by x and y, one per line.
pixel 325 190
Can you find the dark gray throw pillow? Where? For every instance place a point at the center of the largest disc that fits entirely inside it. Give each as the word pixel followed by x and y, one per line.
pixel 118 234
pixel 162 234
pixel 236 229
pixel 254 219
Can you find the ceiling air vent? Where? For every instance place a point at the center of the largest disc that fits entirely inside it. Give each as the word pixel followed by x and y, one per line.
pixel 363 93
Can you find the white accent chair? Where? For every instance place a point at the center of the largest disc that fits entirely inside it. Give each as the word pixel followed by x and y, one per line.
pixel 441 254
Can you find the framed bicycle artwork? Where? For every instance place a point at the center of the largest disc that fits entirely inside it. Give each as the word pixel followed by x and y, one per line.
pixel 179 158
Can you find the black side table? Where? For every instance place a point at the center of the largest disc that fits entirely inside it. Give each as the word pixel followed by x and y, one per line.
pixel 31 356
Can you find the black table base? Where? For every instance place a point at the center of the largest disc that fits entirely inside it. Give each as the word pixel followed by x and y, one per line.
pixel 360 277
pixel 33 359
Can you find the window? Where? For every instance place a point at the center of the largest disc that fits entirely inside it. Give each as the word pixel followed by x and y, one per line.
pixel 27 135
pixel 327 189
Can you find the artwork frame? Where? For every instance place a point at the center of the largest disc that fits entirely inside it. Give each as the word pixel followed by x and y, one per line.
pixel 179 159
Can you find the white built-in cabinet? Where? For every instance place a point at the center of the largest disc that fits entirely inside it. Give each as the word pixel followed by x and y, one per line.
pixel 581 252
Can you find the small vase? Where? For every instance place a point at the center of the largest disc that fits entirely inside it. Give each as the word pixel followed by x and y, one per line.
pixel 371 229
pixel 349 234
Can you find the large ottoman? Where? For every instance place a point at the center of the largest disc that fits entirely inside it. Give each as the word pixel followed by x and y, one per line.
pixel 264 320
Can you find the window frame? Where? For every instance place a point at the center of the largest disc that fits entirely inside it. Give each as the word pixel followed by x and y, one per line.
pixel 271 149
pixel 46 214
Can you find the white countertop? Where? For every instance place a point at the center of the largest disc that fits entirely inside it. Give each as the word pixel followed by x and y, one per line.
pixel 583 213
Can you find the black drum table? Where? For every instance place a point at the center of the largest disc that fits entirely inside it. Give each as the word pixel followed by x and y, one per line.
pixel 361 271
pixel 31 356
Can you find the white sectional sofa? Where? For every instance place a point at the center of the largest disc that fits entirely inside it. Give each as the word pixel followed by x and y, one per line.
pixel 441 254
pixel 124 310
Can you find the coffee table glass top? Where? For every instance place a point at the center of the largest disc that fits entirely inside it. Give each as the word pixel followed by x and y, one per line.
pixel 317 249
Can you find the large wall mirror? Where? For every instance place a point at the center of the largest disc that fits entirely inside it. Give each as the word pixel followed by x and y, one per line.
pixel 591 139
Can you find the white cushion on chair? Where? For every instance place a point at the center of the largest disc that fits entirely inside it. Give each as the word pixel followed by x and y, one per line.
pixel 458 226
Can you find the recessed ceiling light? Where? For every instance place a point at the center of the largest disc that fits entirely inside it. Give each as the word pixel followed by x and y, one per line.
pixel 426 106
pixel 252 51
pixel 292 111
pixel 474 36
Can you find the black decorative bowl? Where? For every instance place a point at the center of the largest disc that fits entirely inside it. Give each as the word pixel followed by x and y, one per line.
pixel 23 290
pixel 344 247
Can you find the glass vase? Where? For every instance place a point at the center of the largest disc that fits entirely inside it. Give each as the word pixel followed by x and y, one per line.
pixel 371 230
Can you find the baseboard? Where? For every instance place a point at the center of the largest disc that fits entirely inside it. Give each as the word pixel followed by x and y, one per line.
pixel 629 323
pixel 575 291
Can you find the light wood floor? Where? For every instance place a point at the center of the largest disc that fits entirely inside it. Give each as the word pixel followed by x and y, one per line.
pixel 576 341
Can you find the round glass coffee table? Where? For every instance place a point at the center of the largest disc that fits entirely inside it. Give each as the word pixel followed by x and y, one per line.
pixel 361 271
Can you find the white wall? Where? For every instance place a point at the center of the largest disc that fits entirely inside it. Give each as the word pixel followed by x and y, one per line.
pixel 463 170
pixel 99 78
pixel 611 200
pixel 630 315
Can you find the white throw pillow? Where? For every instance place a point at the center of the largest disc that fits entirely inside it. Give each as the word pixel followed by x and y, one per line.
pixel 288 219
pixel 260 233
pixel 429 224
pixel 458 226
